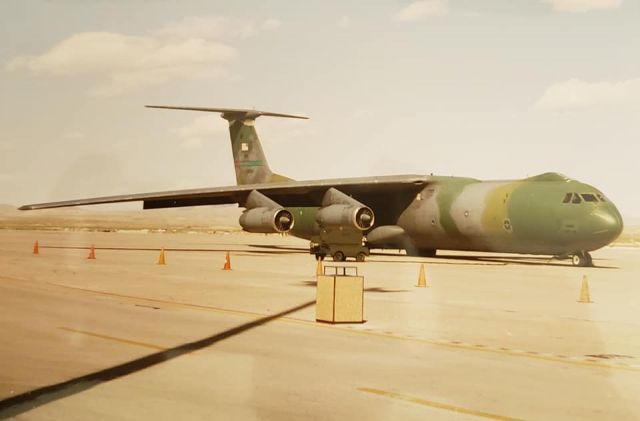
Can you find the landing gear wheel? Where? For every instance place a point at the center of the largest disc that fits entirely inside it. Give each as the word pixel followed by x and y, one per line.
pixel 589 259
pixel 582 259
pixel 360 257
pixel 577 260
pixel 320 256
pixel 339 256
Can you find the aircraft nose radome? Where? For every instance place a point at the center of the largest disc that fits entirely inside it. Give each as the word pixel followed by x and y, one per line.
pixel 607 223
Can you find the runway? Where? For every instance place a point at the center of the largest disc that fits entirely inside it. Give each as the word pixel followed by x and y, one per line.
pixel 493 336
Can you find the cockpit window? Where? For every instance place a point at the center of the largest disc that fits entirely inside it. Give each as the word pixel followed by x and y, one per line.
pixel 587 197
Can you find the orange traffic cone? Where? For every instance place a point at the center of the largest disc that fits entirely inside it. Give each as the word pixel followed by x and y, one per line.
pixel 92 253
pixel 161 260
pixel 36 248
pixel 422 279
pixel 585 297
pixel 227 262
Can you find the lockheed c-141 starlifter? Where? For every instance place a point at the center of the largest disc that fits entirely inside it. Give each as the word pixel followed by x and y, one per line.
pixel 547 214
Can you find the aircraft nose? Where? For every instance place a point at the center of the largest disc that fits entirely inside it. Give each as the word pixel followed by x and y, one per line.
pixel 607 223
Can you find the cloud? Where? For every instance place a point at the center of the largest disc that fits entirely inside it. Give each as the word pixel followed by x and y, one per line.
pixel 344 22
pixel 215 27
pixel 576 93
pixel 124 63
pixel 186 50
pixel 421 9
pixel 202 129
pixel 581 6
pixel 270 24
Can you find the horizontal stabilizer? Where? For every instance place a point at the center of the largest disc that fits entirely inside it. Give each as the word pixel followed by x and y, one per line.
pixel 230 113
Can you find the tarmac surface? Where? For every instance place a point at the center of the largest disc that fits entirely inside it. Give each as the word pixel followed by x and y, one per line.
pixel 496 337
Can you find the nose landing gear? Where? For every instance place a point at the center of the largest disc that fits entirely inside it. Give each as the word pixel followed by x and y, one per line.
pixel 582 259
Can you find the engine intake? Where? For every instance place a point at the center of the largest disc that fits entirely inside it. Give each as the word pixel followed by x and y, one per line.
pixel 266 220
pixel 334 216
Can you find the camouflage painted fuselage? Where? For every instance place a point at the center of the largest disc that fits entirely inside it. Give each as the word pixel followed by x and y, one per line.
pixel 518 216
pixel 522 216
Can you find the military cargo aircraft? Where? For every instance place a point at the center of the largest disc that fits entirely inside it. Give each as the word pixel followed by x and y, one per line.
pixel 548 214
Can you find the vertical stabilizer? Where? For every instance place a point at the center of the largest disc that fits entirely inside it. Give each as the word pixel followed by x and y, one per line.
pixel 249 159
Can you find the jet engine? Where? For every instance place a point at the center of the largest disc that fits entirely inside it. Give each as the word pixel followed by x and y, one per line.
pixel 334 216
pixel 341 211
pixel 264 216
pixel 266 220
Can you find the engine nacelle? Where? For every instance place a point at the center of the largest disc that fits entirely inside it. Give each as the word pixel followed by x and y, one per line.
pixel 391 236
pixel 341 215
pixel 266 220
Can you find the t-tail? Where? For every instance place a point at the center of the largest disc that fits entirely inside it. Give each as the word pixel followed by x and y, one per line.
pixel 248 156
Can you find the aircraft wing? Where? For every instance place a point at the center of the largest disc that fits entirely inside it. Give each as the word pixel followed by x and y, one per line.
pixel 386 192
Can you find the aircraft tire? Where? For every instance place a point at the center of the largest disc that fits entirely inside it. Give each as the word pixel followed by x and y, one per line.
pixel 339 256
pixel 582 259
pixel 361 257
pixel 589 259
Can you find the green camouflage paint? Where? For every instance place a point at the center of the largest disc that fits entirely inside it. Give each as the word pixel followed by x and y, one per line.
pixel 305 226
pixel 521 216
pixel 249 159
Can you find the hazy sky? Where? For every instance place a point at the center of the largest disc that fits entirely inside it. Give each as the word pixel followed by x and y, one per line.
pixel 492 89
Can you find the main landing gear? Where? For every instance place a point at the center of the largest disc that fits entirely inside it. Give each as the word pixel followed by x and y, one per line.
pixel 339 256
pixel 582 259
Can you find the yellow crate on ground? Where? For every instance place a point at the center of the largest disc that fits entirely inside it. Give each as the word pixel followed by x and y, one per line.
pixel 340 295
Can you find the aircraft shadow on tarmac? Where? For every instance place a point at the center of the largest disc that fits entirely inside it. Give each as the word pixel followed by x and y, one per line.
pixel 374 289
pixel 280 249
pixel 32 399
pixel 442 259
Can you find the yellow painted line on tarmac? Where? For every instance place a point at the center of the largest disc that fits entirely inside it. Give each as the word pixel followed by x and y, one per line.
pixel 501 350
pixel 430 341
pixel 438 405
pixel 115 339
